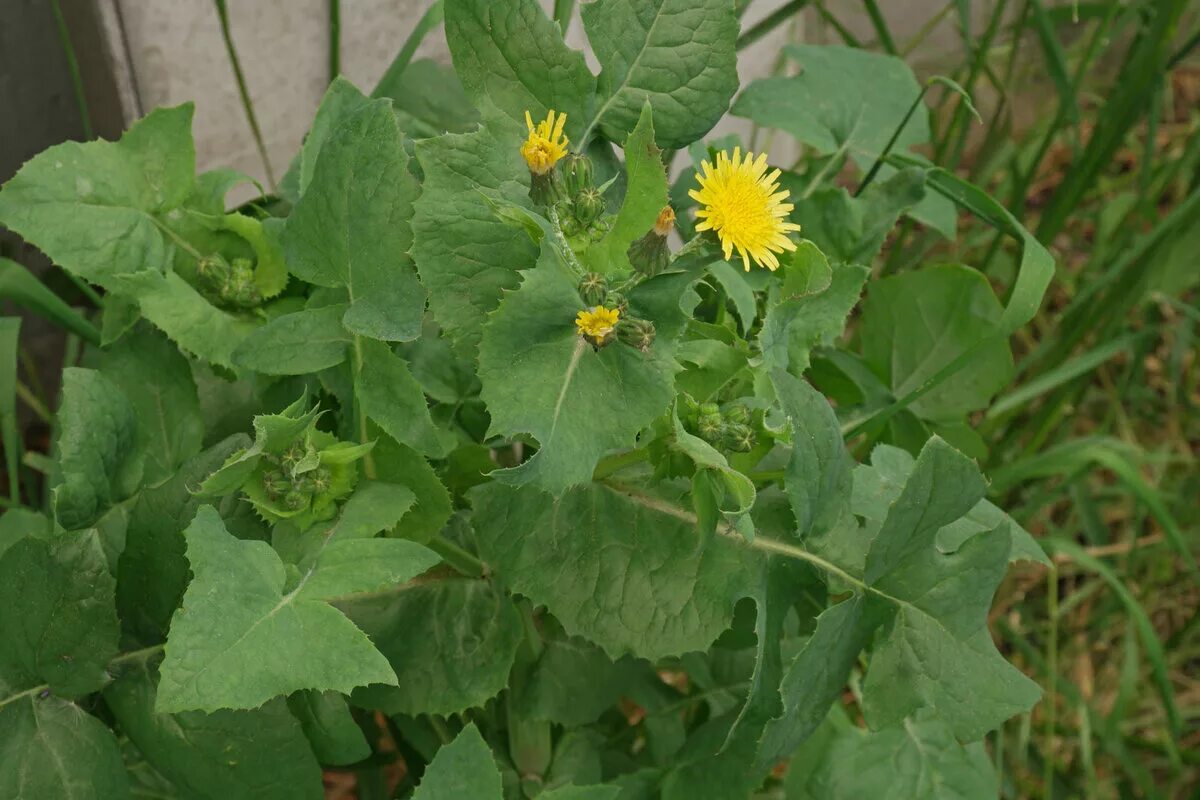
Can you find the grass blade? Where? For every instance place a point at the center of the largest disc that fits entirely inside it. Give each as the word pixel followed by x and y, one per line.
pixel 20 286
pixel 10 329
pixel 429 20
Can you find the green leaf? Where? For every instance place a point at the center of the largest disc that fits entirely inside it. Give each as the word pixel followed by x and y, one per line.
pixel 541 377
pixel 350 566
pixel 816 678
pixel 852 229
pixel 394 400
pixel 96 462
pixel 272 433
pixel 429 100
pixel 238 640
pixel 919 759
pixel 677 55
pixel 341 100
pixel 571 792
pixel 22 287
pixel 226 755
pixel 451 642
pixel 510 55
pixel 400 464
pixel 917 323
pixel 330 727
pixel 935 647
pixel 463 768
pixel 17 523
pixel 642 581
pixel 157 380
pixel 95 208
pixel 878 485
pixel 465 254
pixel 152 572
pixel 53 749
pixel 184 315
pixel 296 344
pixel 352 226
pixel 843 98
pixel 806 317
pixel 735 491
pixel 58 621
pixel 818 478
pixel 572 683
pixel 645 198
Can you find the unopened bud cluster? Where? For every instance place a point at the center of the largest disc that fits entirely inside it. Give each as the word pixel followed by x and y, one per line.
pixel 229 283
pixel 729 428
pixel 607 317
pixel 288 483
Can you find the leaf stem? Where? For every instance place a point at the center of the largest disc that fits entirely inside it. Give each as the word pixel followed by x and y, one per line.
pixel 363 433
pixel 457 557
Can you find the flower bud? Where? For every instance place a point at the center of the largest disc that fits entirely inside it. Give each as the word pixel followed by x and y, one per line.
pixel 589 205
pixel 214 271
pixel 593 289
pixel 576 173
pixel 295 500
pixel 637 333
pixel 737 413
pixel 546 189
pixel 618 301
pixel 738 437
pixel 649 255
pixel 275 483
pixel 709 427
pixel 322 479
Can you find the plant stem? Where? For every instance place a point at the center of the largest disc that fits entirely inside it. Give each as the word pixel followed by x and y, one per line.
pixel 247 103
pixel 363 432
pixel 457 557
pixel 619 461
pixel 770 22
pixel 335 39
pixel 64 36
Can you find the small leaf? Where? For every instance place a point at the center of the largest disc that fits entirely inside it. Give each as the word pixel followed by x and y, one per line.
pixel 392 397
pixel 463 768
pixel 296 344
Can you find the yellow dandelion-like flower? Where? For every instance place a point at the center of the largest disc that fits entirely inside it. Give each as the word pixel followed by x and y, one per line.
pixel 743 206
pixel 597 323
pixel 546 143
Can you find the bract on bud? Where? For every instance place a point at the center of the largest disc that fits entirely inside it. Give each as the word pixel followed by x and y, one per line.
pixel 593 288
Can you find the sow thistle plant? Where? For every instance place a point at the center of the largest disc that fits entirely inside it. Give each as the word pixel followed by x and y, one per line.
pixel 445 454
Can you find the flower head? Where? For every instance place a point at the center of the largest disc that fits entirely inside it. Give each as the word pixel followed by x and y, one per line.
pixel 665 222
pixel 597 323
pixel 546 143
pixel 742 205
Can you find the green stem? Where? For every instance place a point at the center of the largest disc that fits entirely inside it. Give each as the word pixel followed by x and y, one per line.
pixel 770 23
pixel 35 405
pixel 457 557
pixel 335 39
pixel 247 103
pixel 428 21
pixel 1051 674
pixel 363 432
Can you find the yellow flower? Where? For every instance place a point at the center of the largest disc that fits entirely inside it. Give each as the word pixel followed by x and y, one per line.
pixel 546 143
pixel 597 323
pixel 744 208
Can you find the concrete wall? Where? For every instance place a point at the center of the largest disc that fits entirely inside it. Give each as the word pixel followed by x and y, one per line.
pixel 171 51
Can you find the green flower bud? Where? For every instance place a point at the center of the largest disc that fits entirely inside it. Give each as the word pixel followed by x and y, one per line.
pixel 737 413
pixel 322 479
pixel 576 173
pixel 295 500
pixel 710 410
pixel 738 437
pixel 292 456
pixel 275 483
pixel 650 255
pixel 618 301
pixel 637 333
pixel 593 289
pixel 709 427
pixel 214 271
pixel 589 205
pixel 547 189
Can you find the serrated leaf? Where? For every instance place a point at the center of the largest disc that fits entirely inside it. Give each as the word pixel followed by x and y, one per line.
pixel 917 323
pixel 184 315
pixel 17 523
pixel 512 56
pixel 541 377
pixel 391 397
pixel 225 755
pixel 351 566
pixel 429 100
pixel 735 492
pixel 465 254
pixel 158 383
pixel 918 759
pixel 678 55
pixel 51 748
pixel 876 487
pixel 272 433
pixel 935 647
pixel 96 461
pixel 842 98
pixel 340 101
pixel 642 580
pixel 58 621
pixel 352 226
pixel 572 683
pixel 808 315
pixel 296 344
pixel 645 197
pixel 153 569
pixel 463 768
pixel 95 208
pixel 451 642
pixel 400 464
pixel 238 640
